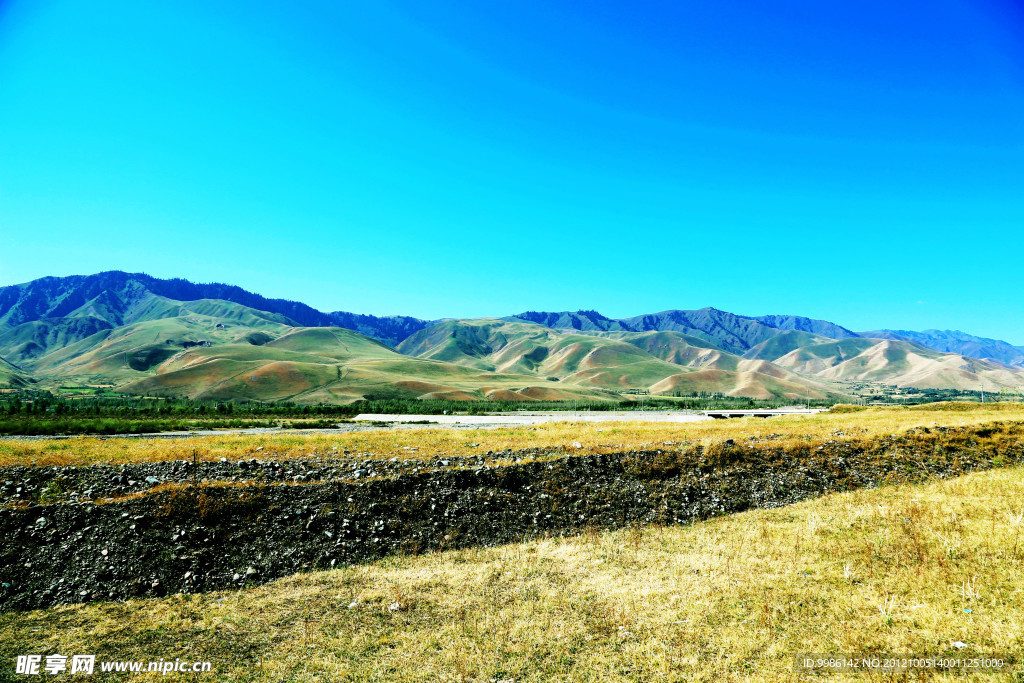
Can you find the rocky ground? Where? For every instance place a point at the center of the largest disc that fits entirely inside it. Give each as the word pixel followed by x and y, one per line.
pixel 73 534
pixel 102 483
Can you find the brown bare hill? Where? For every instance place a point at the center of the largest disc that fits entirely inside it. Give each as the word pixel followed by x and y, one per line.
pixel 748 384
pixel 899 362
pixel 955 341
pixel 613 360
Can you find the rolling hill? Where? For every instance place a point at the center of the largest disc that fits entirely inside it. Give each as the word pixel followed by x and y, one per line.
pixel 817 349
pixel 954 341
pixel 662 362
pixel 173 337
pixel 898 362
pixel 89 347
pixel 331 365
pixel 783 343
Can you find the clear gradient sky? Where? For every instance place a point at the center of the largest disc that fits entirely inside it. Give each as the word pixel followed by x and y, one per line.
pixel 859 162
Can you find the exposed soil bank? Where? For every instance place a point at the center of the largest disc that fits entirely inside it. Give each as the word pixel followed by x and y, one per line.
pixel 212 537
pixel 85 483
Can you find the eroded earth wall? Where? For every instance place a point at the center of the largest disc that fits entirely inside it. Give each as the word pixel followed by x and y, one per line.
pixel 245 530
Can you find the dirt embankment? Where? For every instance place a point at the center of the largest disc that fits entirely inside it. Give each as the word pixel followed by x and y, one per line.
pixel 251 528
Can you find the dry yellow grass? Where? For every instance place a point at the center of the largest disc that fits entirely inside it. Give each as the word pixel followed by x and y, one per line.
pixel 595 437
pixel 907 570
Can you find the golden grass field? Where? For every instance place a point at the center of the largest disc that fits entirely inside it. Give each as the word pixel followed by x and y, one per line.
pixel 908 570
pixel 734 598
pixel 595 438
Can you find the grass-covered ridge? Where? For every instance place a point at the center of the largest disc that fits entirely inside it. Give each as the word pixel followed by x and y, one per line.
pixel 909 569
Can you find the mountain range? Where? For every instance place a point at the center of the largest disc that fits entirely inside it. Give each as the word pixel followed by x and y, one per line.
pixel 171 337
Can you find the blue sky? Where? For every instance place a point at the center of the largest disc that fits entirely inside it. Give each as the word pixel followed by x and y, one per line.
pixel 862 163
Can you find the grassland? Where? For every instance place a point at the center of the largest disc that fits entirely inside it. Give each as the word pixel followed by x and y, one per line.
pixel 909 570
pixel 604 437
pixel 933 568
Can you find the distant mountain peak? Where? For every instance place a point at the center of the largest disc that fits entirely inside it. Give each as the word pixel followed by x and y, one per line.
pixel 592 314
pixel 805 324
pixel 55 312
pixel 111 294
pixel 584 320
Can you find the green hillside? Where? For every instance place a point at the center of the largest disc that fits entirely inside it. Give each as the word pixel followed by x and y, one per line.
pixel 46 343
pixel 222 351
pixel 332 343
pixel 473 342
pixel 128 352
pixel 13 378
pixel 26 342
pixel 312 365
pixel 671 346
pixel 784 342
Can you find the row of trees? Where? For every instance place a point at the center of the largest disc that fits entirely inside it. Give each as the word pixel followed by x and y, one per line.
pixel 45 405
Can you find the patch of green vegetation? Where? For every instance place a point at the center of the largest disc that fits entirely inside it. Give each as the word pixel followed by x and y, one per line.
pixel 64 427
pixel 846 408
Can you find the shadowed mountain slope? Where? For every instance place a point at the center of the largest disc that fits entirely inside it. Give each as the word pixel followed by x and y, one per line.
pixel 727 331
pixel 12 377
pixel 822 328
pixel 580 320
pixel 730 332
pixel 26 342
pixel 119 298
